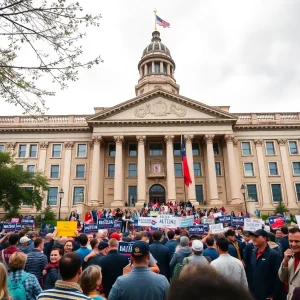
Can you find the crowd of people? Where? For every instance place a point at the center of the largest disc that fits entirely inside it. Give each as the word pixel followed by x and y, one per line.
pixel 160 264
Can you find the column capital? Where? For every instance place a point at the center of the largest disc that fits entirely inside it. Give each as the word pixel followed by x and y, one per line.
pixel 44 145
pixel 141 139
pixel 258 142
pixel 169 139
pixel 96 140
pixel 235 141
pixel 281 142
pixel 208 138
pixel 119 139
pixel 69 145
pixel 229 138
pixel 188 138
pixel 11 145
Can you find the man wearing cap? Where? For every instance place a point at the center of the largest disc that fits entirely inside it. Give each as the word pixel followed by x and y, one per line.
pixel 24 245
pixel 94 257
pixel 140 283
pixel 197 256
pixel 265 263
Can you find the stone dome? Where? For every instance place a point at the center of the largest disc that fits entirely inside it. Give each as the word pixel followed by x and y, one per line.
pixel 156 45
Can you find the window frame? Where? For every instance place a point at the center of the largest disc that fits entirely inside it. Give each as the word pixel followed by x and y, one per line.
pixel 272 192
pixel 253 172
pixel 82 187
pixel 77 150
pixel 108 176
pixel 28 187
pixel 296 194
pixel 52 150
pixel 219 162
pixel 36 152
pixel 219 149
pixel 199 148
pixel 128 194
pixel 251 152
pixel 297 145
pixel 47 201
pixel 202 193
pixel 294 169
pixel 84 174
pixel 177 164
pixel 136 149
pixel 152 143
pixel 275 153
pixel 108 149
pixel 3 147
pixel 276 168
pixel 254 184
pixel 200 169
pixel 50 171
pixel 34 168
pixel 136 170
pixel 19 146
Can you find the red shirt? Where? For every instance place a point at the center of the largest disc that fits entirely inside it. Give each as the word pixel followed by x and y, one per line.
pixel 7 253
pixel 296 261
pixel 259 253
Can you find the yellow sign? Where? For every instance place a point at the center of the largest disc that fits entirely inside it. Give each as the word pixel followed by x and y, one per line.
pixel 154 213
pixel 66 228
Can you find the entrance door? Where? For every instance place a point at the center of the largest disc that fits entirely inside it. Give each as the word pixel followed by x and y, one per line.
pixel 157 194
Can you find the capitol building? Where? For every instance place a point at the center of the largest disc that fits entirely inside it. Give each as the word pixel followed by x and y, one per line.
pixel 130 153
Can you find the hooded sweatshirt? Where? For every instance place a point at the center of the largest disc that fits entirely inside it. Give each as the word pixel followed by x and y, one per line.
pixel 178 256
pixel 26 249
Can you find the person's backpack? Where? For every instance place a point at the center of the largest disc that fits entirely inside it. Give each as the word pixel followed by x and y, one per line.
pixel 178 268
pixel 17 289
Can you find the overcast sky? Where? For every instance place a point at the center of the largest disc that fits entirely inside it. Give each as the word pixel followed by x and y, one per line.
pixel 244 54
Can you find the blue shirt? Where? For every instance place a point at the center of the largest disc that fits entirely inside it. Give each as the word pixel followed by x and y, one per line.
pixel 83 252
pixel 211 252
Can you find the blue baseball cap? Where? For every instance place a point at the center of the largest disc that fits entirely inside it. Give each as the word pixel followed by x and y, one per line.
pixel 140 248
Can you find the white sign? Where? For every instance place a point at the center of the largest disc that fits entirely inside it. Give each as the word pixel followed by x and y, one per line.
pixel 252 224
pixel 298 220
pixel 216 228
pixel 160 221
pixel 217 215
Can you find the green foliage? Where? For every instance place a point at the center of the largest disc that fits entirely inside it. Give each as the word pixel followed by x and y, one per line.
pixel 18 186
pixel 48 216
pixel 13 213
pixel 281 208
pixel 264 217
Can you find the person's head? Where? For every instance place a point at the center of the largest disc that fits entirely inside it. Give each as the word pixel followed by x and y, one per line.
pixel 271 237
pixel 49 237
pixel 279 234
pixel 38 243
pixel 32 235
pixel 63 240
pixel 145 237
pixel 90 279
pixel 294 239
pixel 24 241
pixel 157 235
pixel 184 241
pixel 103 248
pixel 140 254
pixel 94 243
pixel 247 237
pixel 17 261
pixel 68 247
pixel 4 293
pixel 210 241
pixel 222 244
pixel 230 235
pixel 98 236
pixel 197 247
pixel 70 267
pixel 113 244
pixel 83 239
pixel 13 239
pixel 115 236
pixel 90 237
pixel 285 230
pixel 55 255
pixel 170 234
pixel 260 238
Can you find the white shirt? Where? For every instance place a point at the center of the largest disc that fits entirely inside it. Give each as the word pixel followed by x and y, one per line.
pixel 231 268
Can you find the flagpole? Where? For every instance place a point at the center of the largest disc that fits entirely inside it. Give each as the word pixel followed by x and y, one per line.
pixel 183 174
pixel 155 27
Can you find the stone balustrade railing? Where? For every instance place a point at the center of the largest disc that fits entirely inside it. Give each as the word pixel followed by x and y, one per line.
pixel 277 118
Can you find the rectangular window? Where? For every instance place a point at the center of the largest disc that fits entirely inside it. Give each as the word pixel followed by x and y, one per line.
pixel 132 170
pixel 28 189
pixel 22 151
pixel 132 195
pixel 197 169
pixel 252 192
pixel 112 150
pixel 78 195
pixel 196 148
pixel 297 186
pixel 157 67
pixel 270 148
pixel 246 148
pixel 177 149
pixel 2 148
pixel 32 150
pixel 80 171
pixel 52 196
pixel 56 150
pixel 296 168
pixel 216 148
pixel 31 169
pixel 132 150
pixel 199 193
pixel 111 170
pixel 293 147
pixel 276 192
pixel 54 171
pixel 218 168
pixel 150 68
pixel 81 150
pixel 273 169
pixel 178 169
pixel 155 149
pixel 248 169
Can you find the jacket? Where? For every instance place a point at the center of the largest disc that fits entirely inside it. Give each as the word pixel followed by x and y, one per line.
pixel 247 256
pixel 266 283
pixel 51 278
pixel 36 263
pixel 162 255
pixel 284 243
pixel 172 244
pixel 289 275
pixel 178 257
pixel 232 251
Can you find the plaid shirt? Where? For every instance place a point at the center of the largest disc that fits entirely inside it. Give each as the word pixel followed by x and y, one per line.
pixel 32 286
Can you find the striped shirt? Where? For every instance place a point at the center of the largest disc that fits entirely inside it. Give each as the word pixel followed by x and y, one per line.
pixel 36 263
pixel 63 291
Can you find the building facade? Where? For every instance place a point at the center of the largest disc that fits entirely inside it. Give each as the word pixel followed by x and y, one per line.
pixel 131 153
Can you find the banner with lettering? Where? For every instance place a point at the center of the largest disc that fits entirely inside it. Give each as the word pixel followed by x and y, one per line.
pixel 216 228
pixel 196 229
pixel 105 223
pixel 90 228
pixel 18 226
pixel 186 221
pixel 117 225
pixel 252 224
pixel 237 221
pixel 224 220
pixel 9 226
pixel 160 221
pixel 276 221
pixel 125 248
pixel 206 220
pixel 28 222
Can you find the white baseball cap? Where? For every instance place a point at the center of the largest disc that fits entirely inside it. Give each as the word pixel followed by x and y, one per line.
pixel 197 245
pixel 24 239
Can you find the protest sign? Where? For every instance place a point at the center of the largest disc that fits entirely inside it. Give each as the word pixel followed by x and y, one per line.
pixel 225 219
pixel 105 223
pixel 217 215
pixel 66 228
pixel 18 226
pixel 199 229
pixel 298 220
pixel 15 220
pixel 28 222
pixel 206 220
pixel 145 221
pixel 276 221
pixel 205 226
pixel 9 226
pixel 117 225
pixel 237 221
pixel 90 228
pixel 154 213
pixel 216 228
pixel 186 221
pixel 168 221
pixel 252 224
pixel 125 248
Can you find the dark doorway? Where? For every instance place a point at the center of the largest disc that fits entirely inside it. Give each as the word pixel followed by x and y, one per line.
pixel 157 194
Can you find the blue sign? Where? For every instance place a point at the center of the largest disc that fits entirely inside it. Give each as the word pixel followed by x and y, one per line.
pixel 117 225
pixel 206 227
pixel 196 229
pixel 28 222
pixel 9 226
pixel 90 228
pixel 125 248
pixel 225 219
pixel 105 223
pixel 237 221
pixel 187 222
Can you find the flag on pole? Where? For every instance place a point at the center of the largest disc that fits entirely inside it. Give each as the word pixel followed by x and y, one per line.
pixel 185 165
pixel 161 22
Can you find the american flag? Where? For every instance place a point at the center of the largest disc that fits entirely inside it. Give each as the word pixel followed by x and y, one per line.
pixel 162 23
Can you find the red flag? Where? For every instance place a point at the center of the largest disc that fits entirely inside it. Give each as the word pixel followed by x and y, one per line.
pixel 185 166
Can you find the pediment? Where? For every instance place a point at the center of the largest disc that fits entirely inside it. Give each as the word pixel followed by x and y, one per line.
pixel 160 105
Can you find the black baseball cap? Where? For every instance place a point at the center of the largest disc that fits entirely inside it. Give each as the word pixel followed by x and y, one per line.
pixel 102 245
pixel 140 248
pixel 260 232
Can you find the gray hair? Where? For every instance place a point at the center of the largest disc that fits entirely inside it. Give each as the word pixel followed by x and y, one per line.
pixel 184 241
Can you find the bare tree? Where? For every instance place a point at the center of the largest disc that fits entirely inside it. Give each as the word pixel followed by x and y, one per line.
pixel 52 31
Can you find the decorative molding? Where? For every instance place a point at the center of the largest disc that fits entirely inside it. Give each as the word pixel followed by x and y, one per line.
pixel 208 138
pixel 159 109
pixel 169 139
pixel 188 138
pixel 281 142
pixel 141 139
pixel 95 141
pixel 69 145
pixel 229 138
pixel 258 142
pixel 119 139
pixel 44 145
pixel 11 145
pixel 235 141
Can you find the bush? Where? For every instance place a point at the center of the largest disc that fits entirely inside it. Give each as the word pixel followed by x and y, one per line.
pixel 281 208
pixel 48 216
pixel 13 213
pixel 264 217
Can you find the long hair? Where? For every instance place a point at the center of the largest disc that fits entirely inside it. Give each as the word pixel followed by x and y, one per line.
pixel 4 293
pixel 89 278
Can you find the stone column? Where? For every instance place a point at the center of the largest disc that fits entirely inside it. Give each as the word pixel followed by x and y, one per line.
pixel 153 67
pixel 42 155
pixel 141 72
pixel 189 155
pixel 118 180
pixel 161 67
pixel 11 147
pixel 66 202
pixel 145 70
pixel 141 180
pixel 170 168
pixel 266 199
pixel 95 178
pixel 290 190
pixel 235 189
pixel 168 69
pixel 211 168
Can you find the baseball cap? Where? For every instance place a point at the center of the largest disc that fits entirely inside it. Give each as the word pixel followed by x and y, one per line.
pixel 140 248
pixel 259 232
pixel 102 245
pixel 125 234
pixel 115 235
pixel 24 239
pixel 197 245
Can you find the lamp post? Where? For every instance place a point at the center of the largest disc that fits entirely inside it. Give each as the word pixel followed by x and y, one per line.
pixel 61 195
pixel 243 191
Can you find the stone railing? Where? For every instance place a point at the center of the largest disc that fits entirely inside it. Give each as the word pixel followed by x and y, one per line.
pixel 276 118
